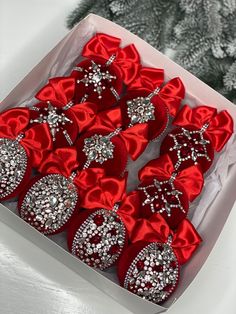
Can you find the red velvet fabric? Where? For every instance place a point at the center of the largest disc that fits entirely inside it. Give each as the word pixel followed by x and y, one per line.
pixel 185 239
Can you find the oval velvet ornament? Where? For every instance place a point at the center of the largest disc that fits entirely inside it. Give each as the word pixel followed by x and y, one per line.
pixel 107 144
pixel 164 191
pixel 50 200
pixel 99 235
pixel 149 101
pixel 201 132
pixel 100 78
pixel 20 150
pixel 65 118
pixel 150 266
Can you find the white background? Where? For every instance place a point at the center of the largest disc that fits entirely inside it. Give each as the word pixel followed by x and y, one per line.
pixel 28 30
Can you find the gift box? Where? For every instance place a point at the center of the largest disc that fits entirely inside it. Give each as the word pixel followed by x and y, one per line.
pixel 208 212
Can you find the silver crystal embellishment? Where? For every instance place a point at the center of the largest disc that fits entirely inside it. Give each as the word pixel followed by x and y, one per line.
pixel 140 110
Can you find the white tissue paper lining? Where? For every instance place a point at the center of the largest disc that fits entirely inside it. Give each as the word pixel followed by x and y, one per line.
pixel 67 57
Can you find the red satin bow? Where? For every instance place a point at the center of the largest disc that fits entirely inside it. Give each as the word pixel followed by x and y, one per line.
pixel 191 178
pixel 62 161
pixel 110 191
pixel 126 59
pixel 220 125
pixel 135 137
pixel 60 92
pixel 171 93
pixel 185 239
pixel 36 140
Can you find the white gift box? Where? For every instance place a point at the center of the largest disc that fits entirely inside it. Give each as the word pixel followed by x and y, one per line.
pixel 208 213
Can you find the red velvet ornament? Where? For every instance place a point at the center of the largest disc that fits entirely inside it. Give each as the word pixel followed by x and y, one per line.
pixel 99 235
pixel 50 200
pixel 148 102
pixel 201 132
pixel 100 78
pixel 164 191
pixel 21 149
pixel 150 265
pixel 65 118
pixel 107 145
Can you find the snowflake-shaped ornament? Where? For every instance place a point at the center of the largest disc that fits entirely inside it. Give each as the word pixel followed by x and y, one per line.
pixel 190 145
pixel 97 77
pixel 140 110
pixel 162 196
pixel 55 119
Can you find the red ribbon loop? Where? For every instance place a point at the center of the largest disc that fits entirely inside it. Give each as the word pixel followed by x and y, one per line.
pixel 62 161
pixel 135 139
pixel 107 192
pixel 171 94
pixel 126 59
pixel 14 122
pixel 220 125
pixel 148 78
pixel 37 140
pixel 84 115
pixel 59 91
pixel 185 239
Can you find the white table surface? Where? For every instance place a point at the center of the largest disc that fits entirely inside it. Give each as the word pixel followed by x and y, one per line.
pixel 28 30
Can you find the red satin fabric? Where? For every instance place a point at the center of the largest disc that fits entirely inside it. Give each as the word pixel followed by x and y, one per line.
pixel 170 94
pixel 185 239
pixel 104 46
pixel 191 179
pixel 62 161
pixel 220 125
pixel 36 140
pixel 60 91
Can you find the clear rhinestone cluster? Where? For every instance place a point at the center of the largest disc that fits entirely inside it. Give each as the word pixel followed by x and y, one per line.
pixel 96 77
pixel 55 120
pixel 13 164
pixel 140 110
pixel 153 274
pixel 49 203
pixel 162 196
pixel 190 145
pixel 99 148
pixel 100 239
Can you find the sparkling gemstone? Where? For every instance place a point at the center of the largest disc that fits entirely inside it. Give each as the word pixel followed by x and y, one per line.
pixel 53 200
pixel 98 219
pixel 97 77
pixel 140 265
pixel 95 239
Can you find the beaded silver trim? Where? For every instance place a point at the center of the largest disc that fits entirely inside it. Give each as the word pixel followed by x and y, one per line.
pixel 100 239
pixel 49 203
pixel 56 121
pixel 165 193
pixel 13 165
pixel 196 147
pixel 99 148
pixel 96 77
pixel 154 273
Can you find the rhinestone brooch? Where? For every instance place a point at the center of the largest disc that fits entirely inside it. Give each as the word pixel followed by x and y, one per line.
pixel 49 203
pixel 55 119
pixel 162 196
pixel 190 145
pixel 13 165
pixel 98 78
pixel 140 110
pixel 154 273
pixel 100 239
pixel 99 148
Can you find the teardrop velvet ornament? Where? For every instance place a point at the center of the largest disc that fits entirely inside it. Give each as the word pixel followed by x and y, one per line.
pixel 201 132
pixel 100 78
pixel 149 101
pixel 65 118
pixel 150 266
pixel 50 200
pixel 164 191
pixel 100 233
pixel 21 149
